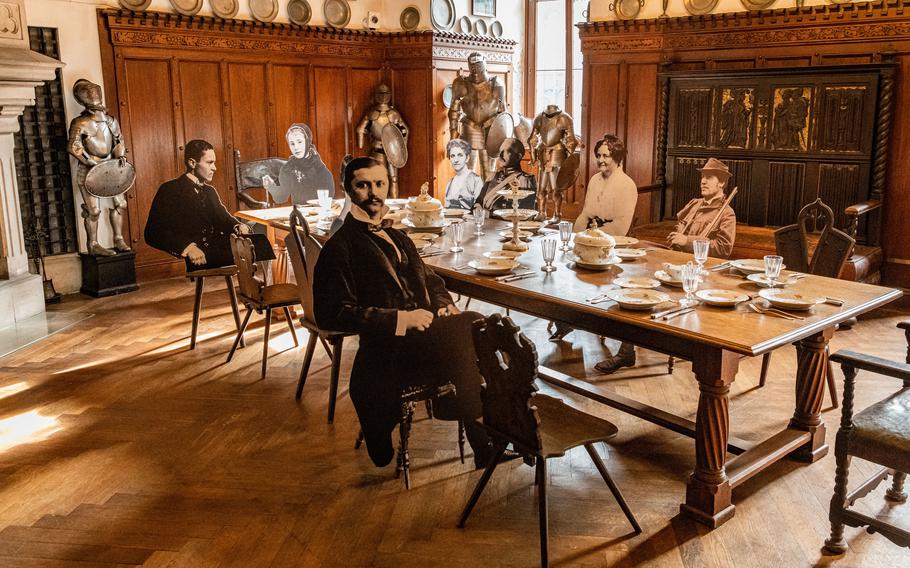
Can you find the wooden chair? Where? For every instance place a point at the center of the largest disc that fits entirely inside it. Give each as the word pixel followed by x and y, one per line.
pixel 833 249
pixel 199 276
pixel 256 295
pixel 879 434
pixel 539 427
pixel 304 249
pixel 248 175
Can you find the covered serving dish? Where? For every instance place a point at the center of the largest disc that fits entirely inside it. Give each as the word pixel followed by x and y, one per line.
pixel 594 246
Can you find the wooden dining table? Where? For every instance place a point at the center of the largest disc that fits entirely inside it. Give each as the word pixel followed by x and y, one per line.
pixel 713 339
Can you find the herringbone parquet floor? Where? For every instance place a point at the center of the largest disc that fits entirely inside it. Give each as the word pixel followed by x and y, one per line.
pixel 121 447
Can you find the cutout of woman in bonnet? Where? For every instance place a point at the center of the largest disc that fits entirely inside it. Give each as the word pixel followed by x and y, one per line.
pixel 304 171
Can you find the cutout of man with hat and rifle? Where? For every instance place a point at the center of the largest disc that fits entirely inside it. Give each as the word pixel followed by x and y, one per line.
pixel 709 216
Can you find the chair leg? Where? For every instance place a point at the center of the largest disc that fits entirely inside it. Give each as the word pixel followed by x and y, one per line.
pixel 336 371
pixel 670 362
pixel 498 450
pixel 232 296
pixel 467 304
pixel 896 492
pixel 599 464
pixel 404 433
pixel 832 380
pixel 428 403
pixel 197 306
pixel 265 340
pixel 765 363
pixel 542 511
pixel 307 359
pixel 328 350
pixel 246 321
pixel 836 543
pixel 461 442
pixel 287 314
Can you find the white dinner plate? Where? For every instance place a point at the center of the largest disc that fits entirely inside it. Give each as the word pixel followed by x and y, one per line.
pixel 629 254
pixel 599 265
pixel 787 300
pixel 454 212
pixel 638 299
pixel 760 279
pixel 622 241
pixel 636 282
pixel 503 254
pixel 531 226
pixel 750 265
pixel 667 279
pixel 493 266
pixel 721 298
pixel 432 229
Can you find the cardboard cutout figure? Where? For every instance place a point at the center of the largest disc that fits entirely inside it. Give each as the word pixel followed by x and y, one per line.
pixel 463 189
pixel 510 154
pixel 303 173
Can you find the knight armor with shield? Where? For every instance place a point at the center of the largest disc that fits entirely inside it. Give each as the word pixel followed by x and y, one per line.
pixel 388 135
pixel 102 171
pixel 478 100
pixel 553 143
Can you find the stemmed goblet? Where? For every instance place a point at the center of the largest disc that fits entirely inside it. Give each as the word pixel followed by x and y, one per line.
pixel 565 234
pixel 690 279
pixel 773 264
pixel 480 215
pixel 456 232
pixel 700 251
pixel 548 248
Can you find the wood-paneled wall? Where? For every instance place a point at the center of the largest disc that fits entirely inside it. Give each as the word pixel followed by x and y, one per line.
pixel 240 84
pixel 621 92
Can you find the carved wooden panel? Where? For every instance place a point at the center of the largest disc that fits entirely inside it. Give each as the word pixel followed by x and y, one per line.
pixel 838 185
pixel 687 183
pixel 841 120
pixel 785 192
pixel 736 117
pixel 790 118
pixel 742 180
pixel 692 118
pixel 330 120
pixel 292 102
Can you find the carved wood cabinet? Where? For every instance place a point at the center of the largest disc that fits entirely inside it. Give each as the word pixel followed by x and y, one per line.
pixel 788 136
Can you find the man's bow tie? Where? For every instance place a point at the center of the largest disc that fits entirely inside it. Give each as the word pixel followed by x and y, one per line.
pixel 381 226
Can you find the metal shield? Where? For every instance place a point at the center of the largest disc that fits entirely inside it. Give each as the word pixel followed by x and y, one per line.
pixel 396 151
pixel 568 173
pixel 110 178
pixel 501 128
pixel 523 127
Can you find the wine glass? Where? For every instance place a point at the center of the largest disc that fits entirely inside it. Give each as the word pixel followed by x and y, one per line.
pixel 480 215
pixel 690 279
pixel 548 247
pixel 565 234
pixel 456 232
pixel 773 264
pixel 324 199
pixel 700 251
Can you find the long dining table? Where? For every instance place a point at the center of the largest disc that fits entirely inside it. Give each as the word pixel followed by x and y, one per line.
pixel 713 339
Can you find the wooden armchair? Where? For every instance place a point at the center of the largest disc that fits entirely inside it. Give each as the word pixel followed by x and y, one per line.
pixel 880 434
pixel 258 296
pixel 248 175
pixel 539 427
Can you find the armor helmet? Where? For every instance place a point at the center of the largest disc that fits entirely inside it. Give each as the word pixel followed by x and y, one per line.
pixel 477 66
pixel 383 95
pixel 88 94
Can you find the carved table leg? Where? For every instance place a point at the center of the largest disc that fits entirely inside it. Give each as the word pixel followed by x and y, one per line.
pixel 811 374
pixel 896 492
pixel 708 494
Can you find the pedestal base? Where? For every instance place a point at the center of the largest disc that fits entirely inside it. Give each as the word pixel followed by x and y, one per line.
pixel 20 298
pixel 108 275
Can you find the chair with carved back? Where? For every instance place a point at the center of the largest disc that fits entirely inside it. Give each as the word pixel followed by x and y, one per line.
pixel 304 249
pixel 248 175
pixel 833 249
pixel 879 434
pixel 539 427
pixel 258 296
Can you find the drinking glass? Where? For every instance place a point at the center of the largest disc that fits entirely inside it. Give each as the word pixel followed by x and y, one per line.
pixel 773 264
pixel 325 201
pixel 548 247
pixel 700 250
pixel 690 279
pixel 565 234
pixel 456 232
pixel 480 215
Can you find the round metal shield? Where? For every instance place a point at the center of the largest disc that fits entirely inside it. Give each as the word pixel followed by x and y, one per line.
pixel 523 127
pixel 568 173
pixel 110 178
pixel 394 146
pixel 501 129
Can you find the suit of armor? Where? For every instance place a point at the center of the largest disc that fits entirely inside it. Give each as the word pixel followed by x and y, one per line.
pixel 95 137
pixel 552 142
pixel 381 114
pixel 476 100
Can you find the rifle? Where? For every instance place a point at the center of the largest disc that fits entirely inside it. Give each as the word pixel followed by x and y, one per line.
pixel 707 230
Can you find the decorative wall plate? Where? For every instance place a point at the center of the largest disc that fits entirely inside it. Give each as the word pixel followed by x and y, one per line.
pixel 264 10
pixel 480 28
pixel 410 18
pixel 225 9
pixel 337 13
pixel 757 4
pixel 442 15
pixel 496 28
pixel 187 7
pixel 135 5
pixel 447 96
pixel 699 7
pixel 464 25
pixel 626 9
pixel 299 12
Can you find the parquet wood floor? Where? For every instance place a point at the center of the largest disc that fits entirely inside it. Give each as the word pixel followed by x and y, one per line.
pixel 122 447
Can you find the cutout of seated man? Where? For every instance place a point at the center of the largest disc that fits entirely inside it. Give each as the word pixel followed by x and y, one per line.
pixel 707 217
pixel 303 173
pixel 370 280
pixel 188 220
pixel 463 189
pixel 510 154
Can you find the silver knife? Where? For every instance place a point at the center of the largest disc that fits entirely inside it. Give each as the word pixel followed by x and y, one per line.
pixel 520 277
pixel 510 276
pixel 679 313
pixel 663 313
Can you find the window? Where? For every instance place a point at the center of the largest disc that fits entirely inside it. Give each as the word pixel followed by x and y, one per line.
pixel 554 51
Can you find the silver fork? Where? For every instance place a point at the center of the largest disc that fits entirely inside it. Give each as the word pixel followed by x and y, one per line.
pixel 774 312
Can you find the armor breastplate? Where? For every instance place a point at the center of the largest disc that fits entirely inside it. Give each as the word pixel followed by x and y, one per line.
pixel 377 124
pixel 99 143
pixel 481 103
